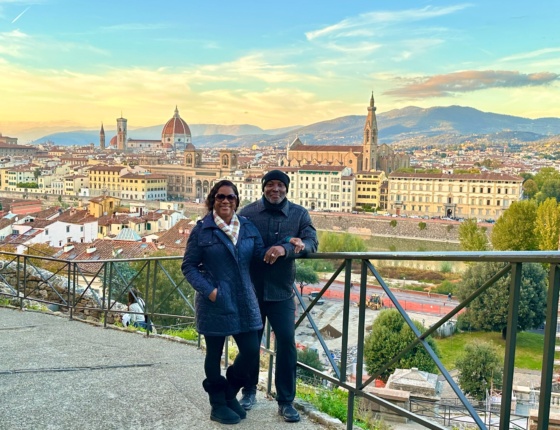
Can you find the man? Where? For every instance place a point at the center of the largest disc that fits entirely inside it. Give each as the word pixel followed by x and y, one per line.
pixel 288 230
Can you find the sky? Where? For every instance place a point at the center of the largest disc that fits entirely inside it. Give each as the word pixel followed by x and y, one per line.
pixel 75 64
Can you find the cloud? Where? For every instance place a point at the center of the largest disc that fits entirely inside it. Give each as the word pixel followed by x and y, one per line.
pixel 468 81
pixel 365 22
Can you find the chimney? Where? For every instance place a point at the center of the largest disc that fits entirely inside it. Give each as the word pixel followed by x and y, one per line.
pixel 91 250
pixel 68 248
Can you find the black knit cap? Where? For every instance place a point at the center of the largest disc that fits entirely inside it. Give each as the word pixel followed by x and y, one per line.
pixel 276 175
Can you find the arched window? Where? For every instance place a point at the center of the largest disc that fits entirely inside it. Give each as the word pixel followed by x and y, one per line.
pixel 225 160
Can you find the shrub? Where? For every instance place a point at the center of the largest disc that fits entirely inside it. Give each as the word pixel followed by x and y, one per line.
pixel 393 223
pixel 422 225
pixel 445 287
pixel 446 266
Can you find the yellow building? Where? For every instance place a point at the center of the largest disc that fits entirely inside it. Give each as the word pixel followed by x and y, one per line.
pixel 483 195
pixel 105 180
pixel 103 206
pixel 74 183
pixel 146 187
pixel 368 189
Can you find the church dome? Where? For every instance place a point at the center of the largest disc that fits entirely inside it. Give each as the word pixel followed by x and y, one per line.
pixel 176 132
pixel 175 126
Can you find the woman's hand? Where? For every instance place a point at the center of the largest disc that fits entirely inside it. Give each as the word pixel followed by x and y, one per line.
pixel 213 295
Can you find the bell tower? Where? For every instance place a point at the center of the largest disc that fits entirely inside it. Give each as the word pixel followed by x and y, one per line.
pixel 369 158
pixel 121 133
pixel 102 138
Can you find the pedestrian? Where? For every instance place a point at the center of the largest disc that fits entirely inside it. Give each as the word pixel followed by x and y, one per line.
pixel 287 229
pixel 217 264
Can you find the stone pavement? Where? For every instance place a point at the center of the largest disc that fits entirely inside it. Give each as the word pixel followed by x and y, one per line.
pixel 62 374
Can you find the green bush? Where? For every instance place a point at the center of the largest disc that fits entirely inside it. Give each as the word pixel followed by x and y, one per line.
pixel 393 223
pixel 422 225
pixel 445 287
pixel 188 333
pixel 446 266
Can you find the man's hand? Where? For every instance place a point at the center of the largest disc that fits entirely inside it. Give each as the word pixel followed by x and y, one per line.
pixel 298 244
pixel 273 253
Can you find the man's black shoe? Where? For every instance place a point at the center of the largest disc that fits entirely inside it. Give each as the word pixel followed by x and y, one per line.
pixel 289 413
pixel 248 400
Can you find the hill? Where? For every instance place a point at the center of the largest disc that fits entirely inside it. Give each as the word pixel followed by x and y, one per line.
pixel 453 123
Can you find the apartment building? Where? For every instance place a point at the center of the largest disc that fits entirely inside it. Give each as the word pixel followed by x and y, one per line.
pixel 322 188
pixel 105 180
pixel 368 189
pixel 483 195
pixel 143 186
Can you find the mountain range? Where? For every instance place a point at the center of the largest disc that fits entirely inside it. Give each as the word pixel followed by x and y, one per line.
pixel 452 124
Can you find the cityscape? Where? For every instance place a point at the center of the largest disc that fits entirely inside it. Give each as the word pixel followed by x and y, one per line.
pixel 422 139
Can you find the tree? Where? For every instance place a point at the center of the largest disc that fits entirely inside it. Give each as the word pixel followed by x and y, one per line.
pixel 311 358
pixel 547 225
pixel 550 189
pixel 305 275
pixel 530 188
pixel 389 335
pixel 337 242
pixel 514 230
pixel 489 311
pixel 472 237
pixel 479 369
pixel 546 174
pixel 422 225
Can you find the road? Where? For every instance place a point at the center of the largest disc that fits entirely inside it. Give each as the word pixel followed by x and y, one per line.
pixel 415 301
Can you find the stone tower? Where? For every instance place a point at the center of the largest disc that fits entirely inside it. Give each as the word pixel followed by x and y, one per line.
pixel 102 138
pixel 121 133
pixel 369 160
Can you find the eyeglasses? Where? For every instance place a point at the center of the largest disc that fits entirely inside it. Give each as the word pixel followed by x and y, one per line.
pixel 230 197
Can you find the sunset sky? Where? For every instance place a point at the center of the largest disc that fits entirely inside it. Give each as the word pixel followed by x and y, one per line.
pixel 71 64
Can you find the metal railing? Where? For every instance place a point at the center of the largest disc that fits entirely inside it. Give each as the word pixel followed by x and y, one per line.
pixel 76 286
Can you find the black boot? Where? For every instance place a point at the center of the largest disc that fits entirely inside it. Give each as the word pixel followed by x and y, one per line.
pixel 234 385
pixel 217 394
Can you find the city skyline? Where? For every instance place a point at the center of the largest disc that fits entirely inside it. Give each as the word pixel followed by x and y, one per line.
pixel 73 65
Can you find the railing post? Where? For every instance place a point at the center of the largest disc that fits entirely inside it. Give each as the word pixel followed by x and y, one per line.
pixel 104 305
pixel 71 293
pixel 25 259
pixel 549 346
pixel 109 291
pixel 270 359
pixel 345 328
pixel 511 337
pixel 18 280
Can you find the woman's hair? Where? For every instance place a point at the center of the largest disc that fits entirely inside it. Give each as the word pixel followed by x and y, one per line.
pixel 133 295
pixel 211 199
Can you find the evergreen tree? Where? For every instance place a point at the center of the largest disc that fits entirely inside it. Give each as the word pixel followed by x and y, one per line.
pixel 480 368
pixel 472 237
pixel 390 335
pixel 547 225
pixel 489 311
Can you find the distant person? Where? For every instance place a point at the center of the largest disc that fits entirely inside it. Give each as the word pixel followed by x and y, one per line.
pixel 287 229
pixel 449 296
pixel 217 263
pixel 137 305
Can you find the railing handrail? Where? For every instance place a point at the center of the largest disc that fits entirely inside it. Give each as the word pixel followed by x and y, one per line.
pixel 476 256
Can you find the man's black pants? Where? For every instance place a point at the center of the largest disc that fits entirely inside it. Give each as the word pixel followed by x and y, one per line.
pixel 281 316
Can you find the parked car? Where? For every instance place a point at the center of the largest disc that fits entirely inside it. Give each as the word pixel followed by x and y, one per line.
pixel 312 297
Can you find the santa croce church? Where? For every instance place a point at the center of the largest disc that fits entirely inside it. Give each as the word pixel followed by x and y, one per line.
pixel 369 156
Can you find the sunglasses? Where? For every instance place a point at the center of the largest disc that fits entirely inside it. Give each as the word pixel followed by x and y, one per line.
pixel 230 197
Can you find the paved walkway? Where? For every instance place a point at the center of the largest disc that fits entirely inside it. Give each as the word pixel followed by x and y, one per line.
pixel 62 374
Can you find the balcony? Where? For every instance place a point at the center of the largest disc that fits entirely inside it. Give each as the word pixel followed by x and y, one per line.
pixel 94 290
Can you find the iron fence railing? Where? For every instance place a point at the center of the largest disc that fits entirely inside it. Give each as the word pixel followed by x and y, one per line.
pixel 97 287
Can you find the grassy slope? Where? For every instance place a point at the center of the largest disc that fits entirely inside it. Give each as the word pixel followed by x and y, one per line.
pixel 528 353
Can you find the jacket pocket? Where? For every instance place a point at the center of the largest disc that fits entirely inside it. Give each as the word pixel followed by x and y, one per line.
pixel 224 299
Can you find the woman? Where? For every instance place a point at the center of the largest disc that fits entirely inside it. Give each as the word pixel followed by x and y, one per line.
pixel 219 252
pixel 135 304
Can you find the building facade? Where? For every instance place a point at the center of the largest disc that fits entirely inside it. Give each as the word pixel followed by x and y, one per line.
pixel 484 195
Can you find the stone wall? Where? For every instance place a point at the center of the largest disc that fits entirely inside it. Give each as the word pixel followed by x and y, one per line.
pixel 369 225
pixel 48 291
